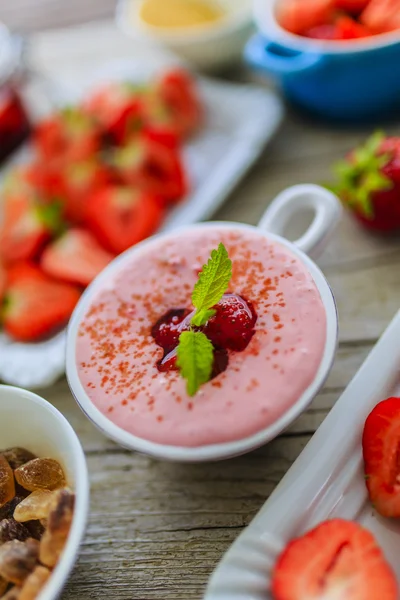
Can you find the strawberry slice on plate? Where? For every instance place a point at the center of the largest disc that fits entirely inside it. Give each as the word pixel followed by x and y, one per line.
pixel 120 216
pixel 297 16
pixel 152 167
pixel 36 306
pixel 381 16
pixel 177 90
pixel 118 108
pixel 381 443
pixel 336 560
pixel 69 134
pixel 26 226
pixel 76 257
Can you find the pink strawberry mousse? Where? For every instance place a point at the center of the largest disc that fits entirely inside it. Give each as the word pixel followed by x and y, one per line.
pixel 117 356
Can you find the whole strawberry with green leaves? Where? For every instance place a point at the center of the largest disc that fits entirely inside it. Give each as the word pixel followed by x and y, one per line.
pixel 368 182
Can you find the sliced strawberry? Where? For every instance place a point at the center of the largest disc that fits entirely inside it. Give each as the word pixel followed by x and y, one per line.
pixel 152 167
pixel 299 16
pixel 36 305
pixel 70 135
pixel 336 559
pixel 76 257
pixel 381 449
pixel 381 16
pixel 352 6
pixel 26 226
pixel 177 90
pixel 118 109
pixel 120 217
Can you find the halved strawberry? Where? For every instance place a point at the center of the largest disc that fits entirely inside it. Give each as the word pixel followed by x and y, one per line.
pixel 36 305
pixel 69 134
pixel 297 16
pixel 152 167
pixel 117 107
pixel 381 16
pixel 76 257
pixel 381 450
pixel 337 559
pixel 177 90
pixel 120 217
pixel 26 226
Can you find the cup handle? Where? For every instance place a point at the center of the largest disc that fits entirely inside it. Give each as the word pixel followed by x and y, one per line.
pixel 327 212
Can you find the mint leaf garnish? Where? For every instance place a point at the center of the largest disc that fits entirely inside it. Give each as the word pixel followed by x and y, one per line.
pixel 212 284
pixel 195 352
pixel 195 359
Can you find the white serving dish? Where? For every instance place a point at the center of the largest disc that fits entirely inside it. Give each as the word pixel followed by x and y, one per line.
pixel 209 47
pixel 26 420
pixel 327 212
pixel 241 119
pixel 325 482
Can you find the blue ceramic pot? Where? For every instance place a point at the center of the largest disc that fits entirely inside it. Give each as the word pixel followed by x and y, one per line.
pixel 342 80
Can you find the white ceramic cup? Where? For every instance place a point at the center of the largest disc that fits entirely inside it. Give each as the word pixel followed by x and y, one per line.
pixel 283 209
pixel 28 421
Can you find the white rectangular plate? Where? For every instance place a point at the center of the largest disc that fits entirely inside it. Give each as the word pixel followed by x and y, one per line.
pixel 325 482
pixel 240 120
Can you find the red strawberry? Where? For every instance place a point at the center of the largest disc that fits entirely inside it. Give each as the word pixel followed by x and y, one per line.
pixel 336 559
pixel 177 90
pixel 69 134
pixel 232 327
pixel 26 226
pixel 118 109
pixel 3 282
pixel 120 217
pixel 36 305
pixel 369 183
pixel 381 439
pixel 152 167
pixel 349 29
pixel 381 16
pixel 351 6
pixel 299 16
pixel 76 257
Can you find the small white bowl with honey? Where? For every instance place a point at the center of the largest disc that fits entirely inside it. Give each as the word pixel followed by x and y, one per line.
pixel 208 34
pixel 33 432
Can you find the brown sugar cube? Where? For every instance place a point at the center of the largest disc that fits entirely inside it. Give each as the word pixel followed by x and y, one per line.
pixel 11 530
pixel 35 528
pixel 18 559
pixel 17 456
pixel 34 583
pixel 35 506
pixel 12 594
pixel 40 474
pixel 58 526
pixel 7 486
pixel 3 586
pixel 7 511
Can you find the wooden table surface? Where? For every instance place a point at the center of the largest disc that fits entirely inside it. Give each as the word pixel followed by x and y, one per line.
pixel 157 530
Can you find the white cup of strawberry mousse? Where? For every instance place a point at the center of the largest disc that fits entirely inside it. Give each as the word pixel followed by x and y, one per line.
pixel 113 360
